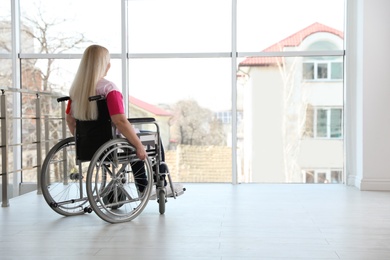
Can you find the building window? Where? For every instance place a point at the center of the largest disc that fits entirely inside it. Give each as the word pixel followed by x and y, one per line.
pixel 324 122
pixel 323 176
pixel 322 70
pixel 328 123
pixel 224 116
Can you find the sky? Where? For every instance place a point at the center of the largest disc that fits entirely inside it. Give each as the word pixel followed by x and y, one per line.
pixel 187 26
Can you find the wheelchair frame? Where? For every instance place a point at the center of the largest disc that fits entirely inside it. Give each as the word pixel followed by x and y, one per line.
pixel 117 186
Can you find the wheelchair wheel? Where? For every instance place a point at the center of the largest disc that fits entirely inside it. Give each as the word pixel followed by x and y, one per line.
pixel 161 201
pixel 63 186
pixel 118 183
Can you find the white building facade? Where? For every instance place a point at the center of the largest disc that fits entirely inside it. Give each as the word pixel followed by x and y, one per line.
pixel 293 111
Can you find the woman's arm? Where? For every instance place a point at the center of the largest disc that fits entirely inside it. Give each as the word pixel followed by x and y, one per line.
pixel 125 128
pixel 71 122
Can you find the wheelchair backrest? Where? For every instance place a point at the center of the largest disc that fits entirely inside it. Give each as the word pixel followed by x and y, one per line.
pixel 92 134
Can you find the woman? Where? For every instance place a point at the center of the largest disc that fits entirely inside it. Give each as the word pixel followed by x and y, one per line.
pixel 90 81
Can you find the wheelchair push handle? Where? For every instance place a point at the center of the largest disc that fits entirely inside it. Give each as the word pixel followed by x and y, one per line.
pixel 93 98
pixel 62 99
pixel 102 97
pixel 96 98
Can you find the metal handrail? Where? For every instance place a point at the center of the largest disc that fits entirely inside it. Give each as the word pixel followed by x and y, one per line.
pixel 4 153
pixel 5 143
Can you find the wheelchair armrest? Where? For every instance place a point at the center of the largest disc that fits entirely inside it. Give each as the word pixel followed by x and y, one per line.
pixel 142 120
pixel 96 98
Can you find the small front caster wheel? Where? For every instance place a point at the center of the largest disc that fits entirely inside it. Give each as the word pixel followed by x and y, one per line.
pixel 161 201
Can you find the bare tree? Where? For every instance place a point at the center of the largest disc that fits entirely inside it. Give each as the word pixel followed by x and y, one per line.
pixel 42 34
pixel 50 39
pixel 194 125
pixel 294 117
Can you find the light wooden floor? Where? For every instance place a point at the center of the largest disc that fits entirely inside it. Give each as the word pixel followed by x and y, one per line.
pixel 212 221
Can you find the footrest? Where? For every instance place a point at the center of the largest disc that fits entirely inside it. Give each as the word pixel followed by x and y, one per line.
pixel 178 188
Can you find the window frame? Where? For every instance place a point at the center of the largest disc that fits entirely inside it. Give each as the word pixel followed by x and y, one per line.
pixel 125 55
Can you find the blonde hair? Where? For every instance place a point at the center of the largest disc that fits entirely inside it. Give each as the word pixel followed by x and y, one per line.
pixel 93 66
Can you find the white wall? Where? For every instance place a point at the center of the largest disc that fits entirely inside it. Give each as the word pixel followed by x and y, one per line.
pixel 368 94
pixel 321 154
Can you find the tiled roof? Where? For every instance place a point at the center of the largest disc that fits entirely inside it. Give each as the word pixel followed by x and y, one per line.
pixel 148 107
pixel 291 41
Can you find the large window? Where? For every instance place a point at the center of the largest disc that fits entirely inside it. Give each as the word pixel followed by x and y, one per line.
pixel 219 76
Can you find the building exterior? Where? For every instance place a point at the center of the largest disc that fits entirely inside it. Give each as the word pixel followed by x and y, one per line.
pixel 293 111
pixel 139 108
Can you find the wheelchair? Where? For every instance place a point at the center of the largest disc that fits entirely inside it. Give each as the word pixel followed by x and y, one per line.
pixel 97 170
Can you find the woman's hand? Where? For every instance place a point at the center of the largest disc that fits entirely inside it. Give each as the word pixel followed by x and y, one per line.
pixel 71 122
pixel 126 129
pixel 141 153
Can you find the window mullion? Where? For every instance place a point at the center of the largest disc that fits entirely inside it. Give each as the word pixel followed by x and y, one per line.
pixel 328 123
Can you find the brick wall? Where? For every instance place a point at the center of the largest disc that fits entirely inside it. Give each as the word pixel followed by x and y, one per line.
pixel 200 163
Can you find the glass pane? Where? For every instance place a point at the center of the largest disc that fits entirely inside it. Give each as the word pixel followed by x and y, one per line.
pixel 309 176
pixel 321 177
pixel 5 10
pixel 337 70
pixel 51 75
pixel 322 123
pixel 308 71
pixel 56 75
pixel 187 97
pixel 335 123
pixel 262 23
pixel 336 177
pixel 322 71
pixel 279 112
pixel 176 26
pixel 69 26
pixel 5 73
pixel 5 27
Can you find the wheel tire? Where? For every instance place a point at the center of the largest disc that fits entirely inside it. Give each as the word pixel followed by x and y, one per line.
pixel 114 182
pixel 161 201
pixel 61 191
